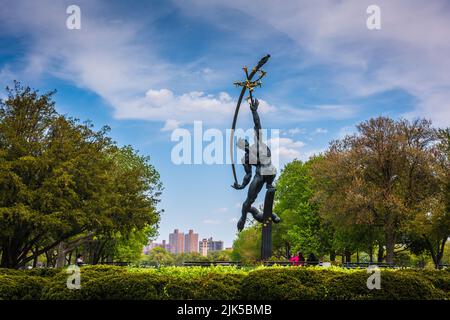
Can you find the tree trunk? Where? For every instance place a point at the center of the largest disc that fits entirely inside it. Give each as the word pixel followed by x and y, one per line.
pixel 9 258
pixel 35 261
pixel 333 256
pixel 440 253
pixel 371 254
pixel 390 245
pixel 357 256
pixel 61 256
pixel 288 250
pixel 437 254
pixel 380 253
pixel 348 256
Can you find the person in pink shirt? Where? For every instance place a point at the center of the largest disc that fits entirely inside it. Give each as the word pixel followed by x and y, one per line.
pixel 294 260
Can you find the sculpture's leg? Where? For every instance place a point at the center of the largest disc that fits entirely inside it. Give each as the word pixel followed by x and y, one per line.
pixel 257 215
pixel 253 190
pixel 269 180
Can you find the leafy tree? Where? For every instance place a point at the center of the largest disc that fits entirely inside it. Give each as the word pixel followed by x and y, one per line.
pixel 301 229
pixel 378 177
pixel 128 247
pixel 159 257
pixel 222 255
pixel 61 181
pixel 247 246
pixel 431 225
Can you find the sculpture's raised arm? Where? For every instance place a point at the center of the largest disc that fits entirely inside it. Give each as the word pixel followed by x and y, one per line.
pixel 254 107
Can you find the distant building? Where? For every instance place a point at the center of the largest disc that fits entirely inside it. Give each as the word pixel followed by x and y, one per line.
pixel 203 245
pixel 191 242
pixel 165 246
pixel 215 245
pixel 153 245
pixel 210 245
pixel 176 241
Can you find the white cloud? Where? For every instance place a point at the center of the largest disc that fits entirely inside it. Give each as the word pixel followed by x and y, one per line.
pixel 295 131
pixel 158 105
pixel 109 58
pixel 320 131
pixel 170 125
pixel 411 51
pixel 285 149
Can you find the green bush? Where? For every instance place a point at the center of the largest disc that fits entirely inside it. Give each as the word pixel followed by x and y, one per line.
pixel 394 285
pixel 43 272
pixel 130 286
pixel 14 287
pixel 262 283
pixel 275 284
pixel 11 272
pixel 212 286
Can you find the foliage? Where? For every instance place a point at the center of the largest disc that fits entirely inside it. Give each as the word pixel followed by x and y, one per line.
pixel 380 179
pixel 62 181
pixel 21 287
pixel 301 229
pixel 262 283
pixel 247 246
pixel 158 257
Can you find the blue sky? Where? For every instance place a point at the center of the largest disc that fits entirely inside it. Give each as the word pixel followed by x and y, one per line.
pixel 147 67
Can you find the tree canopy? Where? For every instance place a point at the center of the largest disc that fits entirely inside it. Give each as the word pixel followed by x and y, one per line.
pixel 61 179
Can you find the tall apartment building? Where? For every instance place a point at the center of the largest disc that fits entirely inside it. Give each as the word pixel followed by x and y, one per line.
pixel 214 245
pixel 191 242
pixel 207 245
pixel 176 241
pixel 165 246
pixel 203 245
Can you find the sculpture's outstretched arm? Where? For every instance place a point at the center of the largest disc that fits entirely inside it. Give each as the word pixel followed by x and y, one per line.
pixel 248 175
pixel 247 169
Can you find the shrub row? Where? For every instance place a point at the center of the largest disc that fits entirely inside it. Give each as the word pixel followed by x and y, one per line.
pixel 285 283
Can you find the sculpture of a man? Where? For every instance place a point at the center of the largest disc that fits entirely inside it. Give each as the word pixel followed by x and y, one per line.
pixel 258 154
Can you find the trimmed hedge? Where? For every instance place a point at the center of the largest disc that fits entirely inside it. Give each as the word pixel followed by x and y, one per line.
pixel 21 287
pixel 263 283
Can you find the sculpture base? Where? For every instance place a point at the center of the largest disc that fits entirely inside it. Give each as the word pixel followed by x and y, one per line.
pixel 266 243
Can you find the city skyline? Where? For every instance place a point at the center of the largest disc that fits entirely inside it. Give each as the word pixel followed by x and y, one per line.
pixel 180 242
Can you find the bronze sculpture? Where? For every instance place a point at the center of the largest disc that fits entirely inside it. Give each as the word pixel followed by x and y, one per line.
pixel 258 154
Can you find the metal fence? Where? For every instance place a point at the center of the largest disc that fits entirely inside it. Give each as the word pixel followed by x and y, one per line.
pixel 349 265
